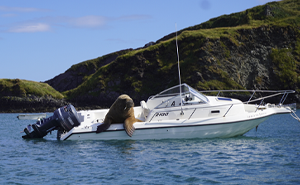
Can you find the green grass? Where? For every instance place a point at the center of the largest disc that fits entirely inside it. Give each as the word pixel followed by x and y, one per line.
pixel 23 88
pixel 161 58
pixel 285 67
pixel 95 63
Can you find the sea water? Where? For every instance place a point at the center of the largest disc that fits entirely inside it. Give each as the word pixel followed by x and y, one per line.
pixel 270 155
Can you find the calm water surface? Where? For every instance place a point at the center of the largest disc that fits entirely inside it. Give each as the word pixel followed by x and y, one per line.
pixel 269 156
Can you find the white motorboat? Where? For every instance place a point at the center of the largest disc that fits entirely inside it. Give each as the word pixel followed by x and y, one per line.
pixel 178 112
pixel 175 113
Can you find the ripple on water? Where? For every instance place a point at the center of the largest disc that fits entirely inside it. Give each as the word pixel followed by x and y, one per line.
pixel 270 155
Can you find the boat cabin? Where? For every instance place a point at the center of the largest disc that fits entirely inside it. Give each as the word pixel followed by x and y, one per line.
pixel 175 96
pixel 185 103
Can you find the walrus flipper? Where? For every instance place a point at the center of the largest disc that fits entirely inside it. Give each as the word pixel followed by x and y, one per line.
pixel 104 126
pixel 128 126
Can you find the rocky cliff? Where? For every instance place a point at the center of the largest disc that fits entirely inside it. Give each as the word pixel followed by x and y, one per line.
pixel 78 73
pixel 255 49
pixel 258 58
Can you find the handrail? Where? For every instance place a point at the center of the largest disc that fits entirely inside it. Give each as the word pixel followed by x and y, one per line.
pixel 281 98
pixel 265 97
pixel 246 102
pixel 251 97
pixel 278 92
pixel 271 91
pixel 285 98
pixel 259 104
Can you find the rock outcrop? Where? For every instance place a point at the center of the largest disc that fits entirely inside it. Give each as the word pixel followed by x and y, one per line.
pixel 30 104
pixel 245 61
pixel 76 75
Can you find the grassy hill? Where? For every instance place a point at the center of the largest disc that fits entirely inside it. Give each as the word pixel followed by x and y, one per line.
pixel 282 13
pixel 28 96
pixel 23 88
pixel 258 48
pixel 79 73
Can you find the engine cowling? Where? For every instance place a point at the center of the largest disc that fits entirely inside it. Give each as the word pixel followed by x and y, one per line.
pixel 63 119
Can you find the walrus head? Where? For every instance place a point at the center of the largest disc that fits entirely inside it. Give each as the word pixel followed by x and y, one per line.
pixel 126 101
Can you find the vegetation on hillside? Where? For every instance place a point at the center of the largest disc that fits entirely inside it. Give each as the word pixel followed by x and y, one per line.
pixel 213 55
pixel 95 64
pixel 285 67
pixel 23 88
pixel 282 13
pixel 160 59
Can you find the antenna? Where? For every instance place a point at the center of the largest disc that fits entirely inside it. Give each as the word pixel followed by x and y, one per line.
pixel 179 71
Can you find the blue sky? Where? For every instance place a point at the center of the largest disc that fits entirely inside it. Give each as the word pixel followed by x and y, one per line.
pixel 41 39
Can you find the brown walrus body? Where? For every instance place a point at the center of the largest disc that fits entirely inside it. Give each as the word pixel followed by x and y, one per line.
pixel 121 111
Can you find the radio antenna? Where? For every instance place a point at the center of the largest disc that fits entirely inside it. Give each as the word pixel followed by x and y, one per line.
pixel 179 71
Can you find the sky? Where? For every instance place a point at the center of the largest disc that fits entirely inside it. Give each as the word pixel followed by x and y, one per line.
pixel 42 39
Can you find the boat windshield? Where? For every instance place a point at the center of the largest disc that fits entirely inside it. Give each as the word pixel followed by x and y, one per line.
pixel 185 90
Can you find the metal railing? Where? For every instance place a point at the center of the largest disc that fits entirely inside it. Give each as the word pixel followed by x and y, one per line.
pixel 278 92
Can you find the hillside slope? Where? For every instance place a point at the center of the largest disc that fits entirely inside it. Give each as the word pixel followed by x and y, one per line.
pixel 28 96
pixel 78 73
pixel 255 49
pixel 258 48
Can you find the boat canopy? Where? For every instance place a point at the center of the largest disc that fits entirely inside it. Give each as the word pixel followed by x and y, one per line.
pixel 187 92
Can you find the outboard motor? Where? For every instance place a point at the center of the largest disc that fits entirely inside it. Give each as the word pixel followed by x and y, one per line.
pixel 63 119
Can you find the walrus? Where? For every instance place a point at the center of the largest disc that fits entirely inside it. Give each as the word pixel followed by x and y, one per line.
pixel 121 111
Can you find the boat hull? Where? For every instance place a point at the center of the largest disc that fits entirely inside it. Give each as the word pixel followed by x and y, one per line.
pixel 212 130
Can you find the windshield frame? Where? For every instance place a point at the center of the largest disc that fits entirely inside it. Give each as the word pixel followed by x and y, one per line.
pixel 175 91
